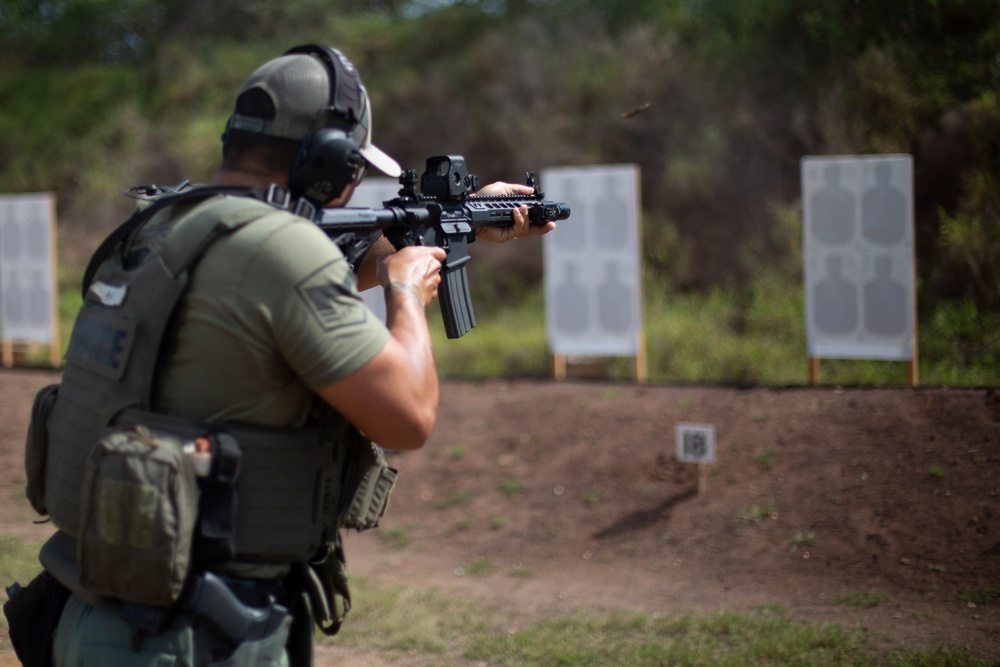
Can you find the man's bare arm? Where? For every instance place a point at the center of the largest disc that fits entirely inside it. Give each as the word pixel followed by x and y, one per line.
pixel 393 398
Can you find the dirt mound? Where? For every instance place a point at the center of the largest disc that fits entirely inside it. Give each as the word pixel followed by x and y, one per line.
pixel 880 506
pixel 871 506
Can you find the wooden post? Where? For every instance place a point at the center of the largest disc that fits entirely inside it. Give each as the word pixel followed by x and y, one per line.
pixel 588 367
pixel 640 357
pixel 702 478
pixel 8 354
pixel 559 366
pixel 54 344
pixel 914 370
pixel 814 370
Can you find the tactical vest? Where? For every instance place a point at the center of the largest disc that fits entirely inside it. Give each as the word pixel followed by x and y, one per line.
pixel 297 487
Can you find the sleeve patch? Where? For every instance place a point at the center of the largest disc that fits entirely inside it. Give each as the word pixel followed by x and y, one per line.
pixel 333 304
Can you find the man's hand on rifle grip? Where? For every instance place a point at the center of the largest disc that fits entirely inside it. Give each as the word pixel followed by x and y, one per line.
pixel 415 267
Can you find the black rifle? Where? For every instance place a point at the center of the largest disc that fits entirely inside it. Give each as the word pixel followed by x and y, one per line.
pixel 446 213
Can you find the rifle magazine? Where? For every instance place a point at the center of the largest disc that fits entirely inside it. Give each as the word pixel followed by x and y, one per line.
pixel 456 301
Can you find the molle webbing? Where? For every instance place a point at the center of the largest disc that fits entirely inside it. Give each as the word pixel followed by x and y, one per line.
pixel 289 484
pixel 113 351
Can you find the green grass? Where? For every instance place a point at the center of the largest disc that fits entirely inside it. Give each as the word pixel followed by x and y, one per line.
pixel 804 539
pixel 755 335
pixel 18 562
pixel 511 487
pixel 508 340
pixel 456 499
pixel 757 513
pixel 765 460
pixel 394 538
pixel 432 628
pixel 428 627
pixel 593 497
pixel 480 567
pixel 981 597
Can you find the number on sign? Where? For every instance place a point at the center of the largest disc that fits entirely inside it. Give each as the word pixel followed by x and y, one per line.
pixel 694 445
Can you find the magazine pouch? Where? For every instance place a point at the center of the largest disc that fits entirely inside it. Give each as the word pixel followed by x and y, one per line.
pixel 369 480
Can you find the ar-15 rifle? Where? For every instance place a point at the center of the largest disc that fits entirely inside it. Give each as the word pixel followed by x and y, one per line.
pixel 445 213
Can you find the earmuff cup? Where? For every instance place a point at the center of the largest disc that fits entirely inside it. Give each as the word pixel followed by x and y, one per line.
pixel 326 164
pixel 329 159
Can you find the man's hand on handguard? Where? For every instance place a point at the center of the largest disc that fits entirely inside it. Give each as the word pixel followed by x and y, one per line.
pixel 521 227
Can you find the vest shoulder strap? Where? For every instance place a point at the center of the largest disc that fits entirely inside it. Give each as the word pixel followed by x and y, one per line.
pixel 215 218
pixel 119 237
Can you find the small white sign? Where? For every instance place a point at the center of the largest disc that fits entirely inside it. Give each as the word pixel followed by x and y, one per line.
pixel 695 443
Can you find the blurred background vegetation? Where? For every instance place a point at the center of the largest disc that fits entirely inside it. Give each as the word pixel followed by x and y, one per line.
pixel 97 95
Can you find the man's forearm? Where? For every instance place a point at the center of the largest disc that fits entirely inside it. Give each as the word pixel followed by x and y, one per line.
pixel 407 323
pixel 368 274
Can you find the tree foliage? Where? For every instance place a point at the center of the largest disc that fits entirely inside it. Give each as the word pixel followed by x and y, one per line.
pixel 739 91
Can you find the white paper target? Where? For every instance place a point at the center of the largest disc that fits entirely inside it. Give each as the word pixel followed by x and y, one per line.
pixel 27 268
pixel 858 254
pixel 593 295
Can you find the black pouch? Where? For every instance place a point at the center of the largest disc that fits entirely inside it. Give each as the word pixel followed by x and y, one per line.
pixel 218 504
pixel 33 614
pixel 36 451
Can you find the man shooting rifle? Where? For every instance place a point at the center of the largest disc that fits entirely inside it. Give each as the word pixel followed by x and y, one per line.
pixel 212 433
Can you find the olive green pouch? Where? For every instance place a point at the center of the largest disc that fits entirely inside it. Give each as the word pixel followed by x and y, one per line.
pixel 370 481
pixel 138 509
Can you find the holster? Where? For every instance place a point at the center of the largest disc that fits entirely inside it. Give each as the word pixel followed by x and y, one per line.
pixel 33 613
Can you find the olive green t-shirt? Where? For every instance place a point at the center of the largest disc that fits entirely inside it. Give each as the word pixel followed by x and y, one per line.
pixel 272 314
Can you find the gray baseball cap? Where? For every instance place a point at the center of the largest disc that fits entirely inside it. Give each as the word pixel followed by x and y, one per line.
pixel 291 96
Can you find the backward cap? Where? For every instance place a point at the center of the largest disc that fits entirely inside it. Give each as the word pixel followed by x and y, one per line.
pixel 298 88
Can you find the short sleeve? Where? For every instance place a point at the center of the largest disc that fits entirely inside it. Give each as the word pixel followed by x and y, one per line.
pixel 303 286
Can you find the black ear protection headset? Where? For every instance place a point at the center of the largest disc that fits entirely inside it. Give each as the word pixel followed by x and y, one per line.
pixel 329 159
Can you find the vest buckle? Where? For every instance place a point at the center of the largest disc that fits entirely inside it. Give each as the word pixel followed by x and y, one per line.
pixel 278 196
